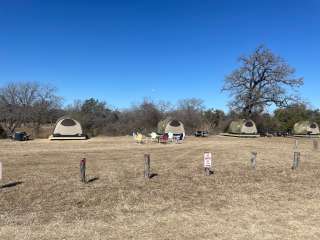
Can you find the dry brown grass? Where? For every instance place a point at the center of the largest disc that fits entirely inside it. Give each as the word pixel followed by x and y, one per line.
pixel 236 202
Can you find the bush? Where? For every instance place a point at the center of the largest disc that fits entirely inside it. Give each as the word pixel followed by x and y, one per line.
pixel 3 133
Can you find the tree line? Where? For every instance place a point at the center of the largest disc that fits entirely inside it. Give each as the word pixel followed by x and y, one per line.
pixel 262 79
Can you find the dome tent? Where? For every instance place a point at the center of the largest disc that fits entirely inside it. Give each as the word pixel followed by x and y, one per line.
pixel 305 128
pixel 171 125
pixel 242 128
pixel 67 128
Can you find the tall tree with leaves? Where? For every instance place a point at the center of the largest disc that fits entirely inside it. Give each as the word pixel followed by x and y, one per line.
pixel 292 114
pixel 262 79
pixel 94 115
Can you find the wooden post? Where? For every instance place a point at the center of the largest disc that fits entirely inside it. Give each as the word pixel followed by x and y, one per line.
pixel 83 170
pixel 147 166
pixel 315 144
pixel 0 171
pixel 296 160
pixel 254 160
pixel 296 144
pixel 207 171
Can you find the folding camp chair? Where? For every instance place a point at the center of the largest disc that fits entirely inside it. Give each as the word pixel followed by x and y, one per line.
pixel 154 137
pixel 164 138
pixel 179 138
pixel 139 138
pixel 170 137
pixel 134 135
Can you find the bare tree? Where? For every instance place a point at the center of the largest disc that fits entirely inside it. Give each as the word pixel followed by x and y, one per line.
pixel 262 79
pixel 45 105
pixel 214 120
pixel 144 117
pixel 26 102
pixel 165 107
pixel 189 111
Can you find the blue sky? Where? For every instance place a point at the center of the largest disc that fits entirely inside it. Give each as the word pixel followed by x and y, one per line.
pixel 122 51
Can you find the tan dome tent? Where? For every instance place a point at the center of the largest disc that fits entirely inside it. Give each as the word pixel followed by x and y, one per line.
pixel 306 128
pixel 171 125
pixel 67 128
pixel 242 128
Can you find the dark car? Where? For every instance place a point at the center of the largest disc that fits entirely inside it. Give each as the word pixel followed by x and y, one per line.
pixel 21 136
pixel 201 134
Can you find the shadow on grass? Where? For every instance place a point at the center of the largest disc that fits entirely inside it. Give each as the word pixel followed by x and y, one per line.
pixel 9 185
pixel 152 175
pixel 92 179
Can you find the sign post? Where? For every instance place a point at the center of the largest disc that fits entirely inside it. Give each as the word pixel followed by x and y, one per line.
pixel 0 171
pixel 207 163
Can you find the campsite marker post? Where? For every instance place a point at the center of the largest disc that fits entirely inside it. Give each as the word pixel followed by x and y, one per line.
pixel 147 166
pixel 296 160
pixel 207 163
pixel 0 171
pixel 296 144
pixel 83 170
pixel 253 160
pixel 315 144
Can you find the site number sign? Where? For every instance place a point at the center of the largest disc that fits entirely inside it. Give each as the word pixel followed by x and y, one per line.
pixel 207 159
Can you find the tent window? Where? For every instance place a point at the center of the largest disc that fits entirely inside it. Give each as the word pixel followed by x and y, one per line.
pixel 313 126
pixel 249 124
pixel 68 122
pixel 175 123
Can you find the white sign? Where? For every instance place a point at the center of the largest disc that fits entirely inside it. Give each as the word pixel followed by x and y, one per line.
pixel 0 170
pixel 207 159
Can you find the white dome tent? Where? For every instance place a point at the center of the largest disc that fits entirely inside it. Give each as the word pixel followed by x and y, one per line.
pixel 171 125
pixel 67 128
pixel 242 128
pixel 175 127
pixel 306 128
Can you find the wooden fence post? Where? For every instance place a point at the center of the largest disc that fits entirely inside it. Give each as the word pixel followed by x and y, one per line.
pixel 254 160
pixel 147 166
pixel 296 160
pixel 83 170
pixel 207 171
pixel 315 144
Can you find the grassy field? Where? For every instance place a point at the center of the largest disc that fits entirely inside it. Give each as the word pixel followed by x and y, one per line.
pixel 272 202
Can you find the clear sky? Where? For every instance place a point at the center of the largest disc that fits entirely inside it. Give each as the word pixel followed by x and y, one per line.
pixel 121 51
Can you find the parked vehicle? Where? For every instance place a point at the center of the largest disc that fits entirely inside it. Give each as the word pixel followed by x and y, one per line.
pixel 21 136
pixel 205 133
pixel 201 134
